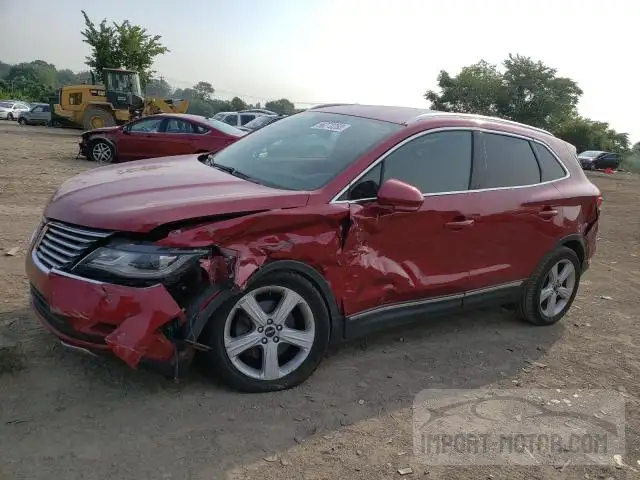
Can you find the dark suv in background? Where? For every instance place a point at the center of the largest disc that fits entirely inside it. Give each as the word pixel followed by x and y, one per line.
pixel 323 226
pixel 599 160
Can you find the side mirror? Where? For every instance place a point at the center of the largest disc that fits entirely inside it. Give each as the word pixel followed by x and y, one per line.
pixel 125 129
pixel 399 195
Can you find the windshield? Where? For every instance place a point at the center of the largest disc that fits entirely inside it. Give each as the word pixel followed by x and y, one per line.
pixel 224 127
pixel 590 153
pixel 304 151
pixel 260 121
pixel 127 82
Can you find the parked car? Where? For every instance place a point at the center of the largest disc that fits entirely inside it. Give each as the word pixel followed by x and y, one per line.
pixel 327 225
pixel 598 160
pixel 11 110
pixel 40 114
pixel 239 119
pixel 261 121
pixel 157 136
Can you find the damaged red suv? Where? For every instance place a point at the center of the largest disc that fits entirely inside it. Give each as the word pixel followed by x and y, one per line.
pixel 326 225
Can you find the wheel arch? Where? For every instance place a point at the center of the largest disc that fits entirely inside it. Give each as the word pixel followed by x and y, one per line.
pixel 93 140
pixel 578 244
pixel 318 281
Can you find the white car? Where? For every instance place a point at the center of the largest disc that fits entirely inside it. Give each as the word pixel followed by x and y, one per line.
pixel 12 110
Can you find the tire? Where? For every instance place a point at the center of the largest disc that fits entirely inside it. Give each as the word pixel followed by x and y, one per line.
pixel 533 307
pixel 10 116
pixel 246 370
pixel 101 152
pixel 93 113
pixel 22 121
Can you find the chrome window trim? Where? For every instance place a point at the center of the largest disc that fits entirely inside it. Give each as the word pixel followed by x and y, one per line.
pixel 444 129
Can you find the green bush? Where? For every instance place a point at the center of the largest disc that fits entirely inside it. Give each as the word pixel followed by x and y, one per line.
pixel 631 162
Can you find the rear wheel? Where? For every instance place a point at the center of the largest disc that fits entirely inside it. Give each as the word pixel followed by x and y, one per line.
pixel 271 337
pixel 95 117
pixel 552 288
pixel 9 116
pixel 101 152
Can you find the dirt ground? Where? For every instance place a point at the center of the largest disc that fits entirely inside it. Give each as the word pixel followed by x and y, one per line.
pixel 67 416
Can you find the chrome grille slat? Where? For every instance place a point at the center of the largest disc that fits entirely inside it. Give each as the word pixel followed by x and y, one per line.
pixel 60 244
pixel 52 246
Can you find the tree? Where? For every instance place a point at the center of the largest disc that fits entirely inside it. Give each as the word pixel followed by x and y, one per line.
pixel 204 90
pixel 281 107
pixel 527 91
pixel 587 134
pixel 158 87
pixel 238 104
pixel 121 45
pixel 636 148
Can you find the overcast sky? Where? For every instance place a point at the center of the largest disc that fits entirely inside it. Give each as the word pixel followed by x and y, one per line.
pixel 366 51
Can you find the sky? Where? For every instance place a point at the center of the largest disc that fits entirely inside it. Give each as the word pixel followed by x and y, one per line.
pixel 362 51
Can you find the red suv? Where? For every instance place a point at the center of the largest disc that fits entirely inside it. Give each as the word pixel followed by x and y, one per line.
pixel 157 136
pixel 325 225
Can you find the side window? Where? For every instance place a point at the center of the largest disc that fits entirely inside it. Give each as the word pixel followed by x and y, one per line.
pixel 231 120
pixel 150 125
pixel 509 162
pixel 434 163
pixel 549 166
pixel 75 98
pixel 177 125
pixel 200 129
pixel 246 118
pixel 46 108
pixel 37 110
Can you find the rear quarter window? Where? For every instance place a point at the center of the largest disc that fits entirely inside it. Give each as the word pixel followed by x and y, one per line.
pixel 550 168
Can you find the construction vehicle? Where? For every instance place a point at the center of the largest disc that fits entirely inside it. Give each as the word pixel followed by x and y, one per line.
pixel 116 101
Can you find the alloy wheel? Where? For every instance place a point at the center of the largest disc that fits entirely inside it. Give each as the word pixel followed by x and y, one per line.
pixel 557 288
pixel 269 332
pixel 102 152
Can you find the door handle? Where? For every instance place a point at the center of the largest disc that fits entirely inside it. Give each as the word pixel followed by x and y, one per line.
pixel 548 213
pixel 457 224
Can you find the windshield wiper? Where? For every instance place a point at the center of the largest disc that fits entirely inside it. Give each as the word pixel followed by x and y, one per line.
pixel 230 170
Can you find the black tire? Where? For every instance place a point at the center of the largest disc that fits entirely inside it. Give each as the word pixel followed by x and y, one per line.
pixel 217 362
pixel 92 112
pixel 22 121
pixel 530 308
pixel 9 116
pixel 92 154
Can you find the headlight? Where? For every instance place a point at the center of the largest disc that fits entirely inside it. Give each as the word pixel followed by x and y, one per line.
pixel 139 261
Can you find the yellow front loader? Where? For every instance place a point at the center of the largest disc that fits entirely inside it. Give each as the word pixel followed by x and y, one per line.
pixel 118 100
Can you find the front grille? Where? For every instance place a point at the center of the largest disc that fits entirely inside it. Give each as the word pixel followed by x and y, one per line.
pixel 59 322
pixel 60 244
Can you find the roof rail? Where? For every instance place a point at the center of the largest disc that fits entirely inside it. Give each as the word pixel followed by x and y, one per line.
pixel 482 117
pixel 327 105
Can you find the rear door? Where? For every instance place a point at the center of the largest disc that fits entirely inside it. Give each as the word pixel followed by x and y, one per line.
pixel 514 207
pixel 178 137
pixel 139 139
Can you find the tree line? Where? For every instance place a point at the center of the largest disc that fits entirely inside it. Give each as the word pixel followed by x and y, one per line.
pixel 523 90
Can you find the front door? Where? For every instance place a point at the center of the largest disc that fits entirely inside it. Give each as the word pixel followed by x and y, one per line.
pixel 396 257
pixel 138 139
pixel 178 137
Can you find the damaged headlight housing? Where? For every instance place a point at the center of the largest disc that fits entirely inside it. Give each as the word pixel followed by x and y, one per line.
pixel 143 262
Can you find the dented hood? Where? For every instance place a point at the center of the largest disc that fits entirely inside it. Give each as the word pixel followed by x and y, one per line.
pixel 140 196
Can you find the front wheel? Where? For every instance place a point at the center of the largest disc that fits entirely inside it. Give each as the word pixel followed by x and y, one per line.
pixel 22 121
pixel 550 291
pixel 9 116
pixel 101 152
pixel 271 337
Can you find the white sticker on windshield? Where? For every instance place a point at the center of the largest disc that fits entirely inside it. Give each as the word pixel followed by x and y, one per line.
pixel 331 126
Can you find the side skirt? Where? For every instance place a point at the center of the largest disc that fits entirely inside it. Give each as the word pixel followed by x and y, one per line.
pixel 397 314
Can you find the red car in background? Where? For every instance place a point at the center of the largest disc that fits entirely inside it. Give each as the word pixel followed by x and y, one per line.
pixel 157 136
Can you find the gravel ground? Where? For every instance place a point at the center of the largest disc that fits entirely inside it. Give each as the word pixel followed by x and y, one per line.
pixel 66 416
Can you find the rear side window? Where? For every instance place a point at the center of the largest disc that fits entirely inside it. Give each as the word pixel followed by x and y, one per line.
pixel 550 168
pixel 231 120
pixel 509 162
pixel 434 163
pixel 246 118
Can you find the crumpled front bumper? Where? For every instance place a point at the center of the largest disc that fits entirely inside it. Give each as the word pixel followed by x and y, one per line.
pixel 103 318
